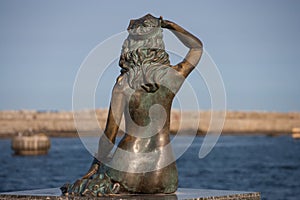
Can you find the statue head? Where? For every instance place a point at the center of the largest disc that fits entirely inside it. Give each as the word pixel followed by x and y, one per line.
pixel 143 57
pixel 144 27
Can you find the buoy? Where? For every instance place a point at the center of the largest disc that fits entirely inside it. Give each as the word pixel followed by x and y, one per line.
pixel 296 133
pixel 37 144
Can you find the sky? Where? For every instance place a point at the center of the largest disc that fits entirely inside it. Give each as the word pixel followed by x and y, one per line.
pixel 254 44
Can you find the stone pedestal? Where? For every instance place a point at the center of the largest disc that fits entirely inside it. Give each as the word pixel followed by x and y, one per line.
pixel 182 193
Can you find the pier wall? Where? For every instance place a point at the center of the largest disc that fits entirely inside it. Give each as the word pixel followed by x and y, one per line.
pixel 62 123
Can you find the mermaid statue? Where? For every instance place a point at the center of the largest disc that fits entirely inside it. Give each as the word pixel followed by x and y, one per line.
pixel 143 161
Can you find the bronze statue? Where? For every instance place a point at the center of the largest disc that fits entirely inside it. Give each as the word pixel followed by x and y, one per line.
pixel 143 92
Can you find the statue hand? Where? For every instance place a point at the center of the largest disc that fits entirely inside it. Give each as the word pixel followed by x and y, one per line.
pixel 163 23
pixel 167 24
pixel 93 169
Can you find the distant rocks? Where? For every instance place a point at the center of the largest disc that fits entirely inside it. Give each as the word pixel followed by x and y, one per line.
pixel 296 133
pixel 37 144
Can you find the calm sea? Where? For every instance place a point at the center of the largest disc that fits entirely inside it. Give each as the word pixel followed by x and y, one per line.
pixel 270 165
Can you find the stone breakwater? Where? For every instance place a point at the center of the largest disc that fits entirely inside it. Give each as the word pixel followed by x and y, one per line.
pixel 62 123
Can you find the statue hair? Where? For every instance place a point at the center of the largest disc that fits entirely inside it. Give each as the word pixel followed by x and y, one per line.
pixel 144 60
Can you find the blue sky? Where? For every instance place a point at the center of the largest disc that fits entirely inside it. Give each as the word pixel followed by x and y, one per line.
pixel 255 45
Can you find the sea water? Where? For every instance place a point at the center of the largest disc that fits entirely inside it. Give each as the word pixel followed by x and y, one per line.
pixel 270 165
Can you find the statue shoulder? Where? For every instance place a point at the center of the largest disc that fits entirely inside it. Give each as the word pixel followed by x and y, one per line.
pixel 121 83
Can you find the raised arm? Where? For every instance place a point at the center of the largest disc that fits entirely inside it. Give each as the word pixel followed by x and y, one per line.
pixel 190 41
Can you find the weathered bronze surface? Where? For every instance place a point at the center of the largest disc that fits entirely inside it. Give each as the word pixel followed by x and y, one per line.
pixel 143 93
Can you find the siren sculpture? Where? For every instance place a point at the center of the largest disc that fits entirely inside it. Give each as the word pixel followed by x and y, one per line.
pixel 143 161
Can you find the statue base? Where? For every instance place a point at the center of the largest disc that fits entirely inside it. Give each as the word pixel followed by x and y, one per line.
pixel 182 193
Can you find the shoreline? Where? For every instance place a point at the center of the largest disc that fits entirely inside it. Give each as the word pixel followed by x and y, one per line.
pixel 61 123
pixel 75 134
